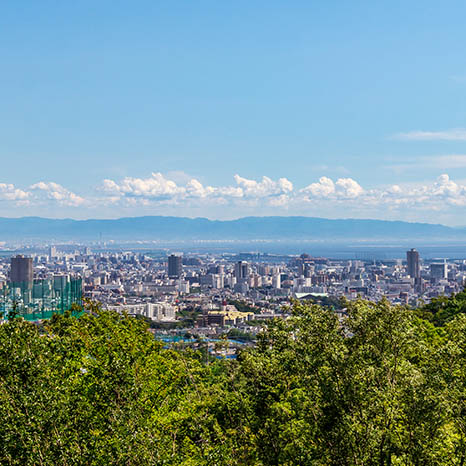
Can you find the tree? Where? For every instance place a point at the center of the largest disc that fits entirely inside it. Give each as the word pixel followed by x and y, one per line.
pixel 366 390
pixel 381 386
pixel 443 309
pixel 99 390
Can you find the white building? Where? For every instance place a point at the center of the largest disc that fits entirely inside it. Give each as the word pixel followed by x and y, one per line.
pixel 160 311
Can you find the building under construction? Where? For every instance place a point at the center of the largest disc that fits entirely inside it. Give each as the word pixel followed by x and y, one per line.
pixel 41 298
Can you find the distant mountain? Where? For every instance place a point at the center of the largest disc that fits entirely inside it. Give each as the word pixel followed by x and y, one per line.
pixel 247 228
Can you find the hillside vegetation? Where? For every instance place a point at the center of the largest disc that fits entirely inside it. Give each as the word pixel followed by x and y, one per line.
pixel 385 387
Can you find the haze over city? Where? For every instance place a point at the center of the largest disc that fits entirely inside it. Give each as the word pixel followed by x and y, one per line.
pixel 222 110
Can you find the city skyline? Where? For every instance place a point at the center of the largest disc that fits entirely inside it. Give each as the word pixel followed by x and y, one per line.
pixel 227 110
pixel 232 232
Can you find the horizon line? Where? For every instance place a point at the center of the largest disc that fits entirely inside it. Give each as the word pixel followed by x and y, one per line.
pixel 228 220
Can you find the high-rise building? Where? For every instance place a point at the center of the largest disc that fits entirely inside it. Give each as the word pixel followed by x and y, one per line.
pixel 241 270
pixel 60 282
pixel 52 252
pixel 414 269
pixel 21 270
pixel 439 270
pixel 175 266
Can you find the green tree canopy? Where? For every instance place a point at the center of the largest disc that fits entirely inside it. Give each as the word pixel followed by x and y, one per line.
pixel 381 386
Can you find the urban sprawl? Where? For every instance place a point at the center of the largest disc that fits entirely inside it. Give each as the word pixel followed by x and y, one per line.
pixel 210 292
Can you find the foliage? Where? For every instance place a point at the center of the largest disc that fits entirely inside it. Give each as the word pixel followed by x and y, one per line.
pixel 380 387
pixel 443 309
pixel 99 390
pixel 332 302
pixel 188 317
pixel 238 334
pixel 243 306
pixel 383 387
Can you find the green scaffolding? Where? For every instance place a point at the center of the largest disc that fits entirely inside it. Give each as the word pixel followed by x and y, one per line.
pixel 41 299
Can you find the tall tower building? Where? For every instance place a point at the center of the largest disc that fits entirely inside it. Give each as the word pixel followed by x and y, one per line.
pixel 21 270
pixel 241 270
pixel 414 269
pixel 52 252
pixel 175 266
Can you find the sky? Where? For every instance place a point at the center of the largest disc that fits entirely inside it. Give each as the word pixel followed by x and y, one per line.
pixel 226 109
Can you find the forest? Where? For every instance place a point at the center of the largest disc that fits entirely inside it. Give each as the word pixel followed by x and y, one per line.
pixel 385 385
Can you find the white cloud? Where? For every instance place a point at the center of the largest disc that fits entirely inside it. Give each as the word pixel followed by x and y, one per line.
pixel 258 194
pixel 157 193
pixel 280 201
pixel 326 188
pixel 154 187
pixel 159 188
pixel 195 188
pixel 230 191
pixel 457 134
pixel 442 193
pixel 347 187
pixel 395 189
pixel 8 192
pixel 266 187
pixel 109 186
pixel 56 192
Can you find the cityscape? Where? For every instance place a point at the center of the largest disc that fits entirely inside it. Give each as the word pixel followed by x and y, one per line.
pixel 232 233
pixel 211 291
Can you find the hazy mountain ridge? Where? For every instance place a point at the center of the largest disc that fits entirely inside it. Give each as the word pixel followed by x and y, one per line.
pixel 247 228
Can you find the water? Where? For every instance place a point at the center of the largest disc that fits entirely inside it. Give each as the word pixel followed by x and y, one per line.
pixel 362 250
pixel 179 339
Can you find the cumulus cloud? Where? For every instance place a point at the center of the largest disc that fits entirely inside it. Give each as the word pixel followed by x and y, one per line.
pixel 457 134
pixel 394 189
pixel 8 192
pixel 195 188
pixel 280 201
pixel 348 188
pixel 56 192
pixel 249 195
pixel 158 187
pixel 230 191
pixel 263 188
pixel 154 187
pixel 343 188
pixel 324 188
pixel 442 193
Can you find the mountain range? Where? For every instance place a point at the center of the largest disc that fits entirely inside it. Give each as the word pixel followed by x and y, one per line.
pixel 247 228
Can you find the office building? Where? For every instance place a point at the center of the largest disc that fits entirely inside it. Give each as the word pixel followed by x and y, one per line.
pixel 276 281
pixel 21 270
pixel 52 252
pixel 175 266
pixel 439 270
pixel 414 269
pixel 241 270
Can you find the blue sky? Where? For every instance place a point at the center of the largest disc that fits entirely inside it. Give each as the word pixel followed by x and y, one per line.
pixel 348 109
